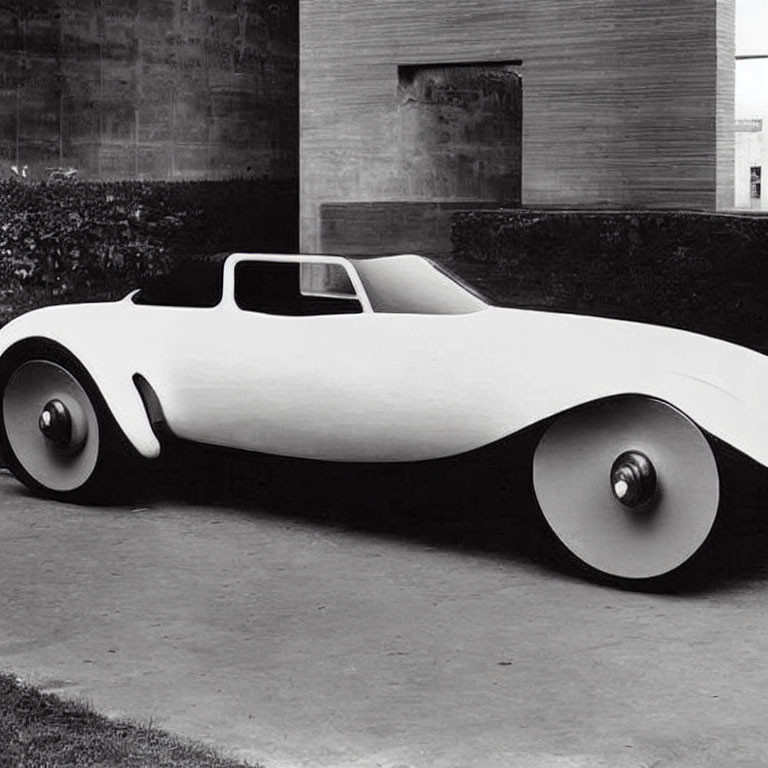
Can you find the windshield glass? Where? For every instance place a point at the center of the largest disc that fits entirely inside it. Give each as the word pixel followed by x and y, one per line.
pixel 412 285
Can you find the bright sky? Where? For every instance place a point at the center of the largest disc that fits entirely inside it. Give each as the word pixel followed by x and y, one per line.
pixel 752 75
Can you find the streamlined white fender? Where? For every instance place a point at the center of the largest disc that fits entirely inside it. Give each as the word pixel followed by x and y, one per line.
pixel 375 360
pixel 102 350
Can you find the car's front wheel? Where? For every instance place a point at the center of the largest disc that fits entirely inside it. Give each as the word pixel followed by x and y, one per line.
pixel 57 435
pixel 629 486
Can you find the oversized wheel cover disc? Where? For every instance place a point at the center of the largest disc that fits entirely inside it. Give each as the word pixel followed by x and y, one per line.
pixel 29 388
pixel 571 472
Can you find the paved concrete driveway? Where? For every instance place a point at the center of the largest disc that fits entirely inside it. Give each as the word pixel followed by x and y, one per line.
pixel 373 636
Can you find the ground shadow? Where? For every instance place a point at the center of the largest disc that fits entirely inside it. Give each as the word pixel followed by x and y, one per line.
pixel 480 502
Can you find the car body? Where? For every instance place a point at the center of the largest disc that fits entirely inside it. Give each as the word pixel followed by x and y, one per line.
pixel 384 359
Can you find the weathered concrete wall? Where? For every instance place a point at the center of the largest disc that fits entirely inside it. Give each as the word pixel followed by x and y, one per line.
pixel 624 103
pixel 150 88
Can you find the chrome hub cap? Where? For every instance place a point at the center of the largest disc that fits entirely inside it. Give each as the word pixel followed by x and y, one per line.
pixel 633 479
pixel 55 423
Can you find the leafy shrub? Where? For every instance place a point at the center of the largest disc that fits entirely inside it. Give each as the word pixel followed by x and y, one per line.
pixel 75 241
pixel 702 272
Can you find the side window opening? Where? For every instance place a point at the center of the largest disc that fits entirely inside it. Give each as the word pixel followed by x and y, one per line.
pixel 289 288
pixel 196 282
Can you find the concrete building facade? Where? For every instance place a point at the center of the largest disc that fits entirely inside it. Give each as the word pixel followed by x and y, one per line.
pixel 150 89
pixel 407 111
pixel 588 103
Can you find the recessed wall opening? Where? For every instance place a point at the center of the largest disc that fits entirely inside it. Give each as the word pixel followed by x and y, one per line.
pixel 407 72
pixel 460 130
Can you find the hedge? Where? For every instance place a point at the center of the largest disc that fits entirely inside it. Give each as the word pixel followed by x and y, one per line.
pixel 74 241
pixel 702 272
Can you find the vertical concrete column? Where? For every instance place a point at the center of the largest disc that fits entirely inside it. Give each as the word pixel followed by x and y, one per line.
pixel 726 103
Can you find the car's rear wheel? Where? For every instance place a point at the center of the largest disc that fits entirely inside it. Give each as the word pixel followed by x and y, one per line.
pixel 57 435
pixel 629 486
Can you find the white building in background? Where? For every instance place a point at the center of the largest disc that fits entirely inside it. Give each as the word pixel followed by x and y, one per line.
pixel 751 153
pixel 751 163
pixel 751 166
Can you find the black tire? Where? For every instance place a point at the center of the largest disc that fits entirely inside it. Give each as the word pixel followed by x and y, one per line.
pixel 95 464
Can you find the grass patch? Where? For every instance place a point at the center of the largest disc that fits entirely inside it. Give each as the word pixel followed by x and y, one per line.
pixel 40 730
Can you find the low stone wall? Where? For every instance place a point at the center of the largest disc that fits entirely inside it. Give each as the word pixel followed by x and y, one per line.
pixel 702 272
pixel 65 242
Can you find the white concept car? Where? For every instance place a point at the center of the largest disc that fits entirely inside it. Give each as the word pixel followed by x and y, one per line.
pixel 390 360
